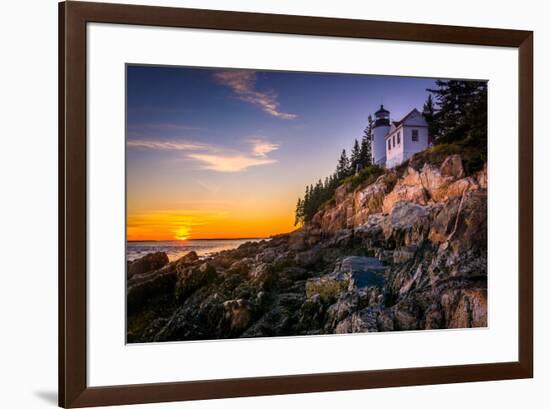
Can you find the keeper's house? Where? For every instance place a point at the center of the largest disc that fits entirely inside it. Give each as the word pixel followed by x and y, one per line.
pixel 393 144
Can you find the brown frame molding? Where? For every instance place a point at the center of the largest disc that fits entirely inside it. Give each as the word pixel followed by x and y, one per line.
pixel 73 389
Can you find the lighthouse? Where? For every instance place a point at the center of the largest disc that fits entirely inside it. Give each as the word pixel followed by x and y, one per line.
pixel 380 130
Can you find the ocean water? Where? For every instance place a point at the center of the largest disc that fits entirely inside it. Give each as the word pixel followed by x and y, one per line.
pixel 177 248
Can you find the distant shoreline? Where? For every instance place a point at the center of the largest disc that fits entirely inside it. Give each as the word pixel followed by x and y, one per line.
pixel 225 239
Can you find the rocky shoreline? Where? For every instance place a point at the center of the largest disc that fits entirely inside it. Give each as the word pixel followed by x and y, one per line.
pixel 407 252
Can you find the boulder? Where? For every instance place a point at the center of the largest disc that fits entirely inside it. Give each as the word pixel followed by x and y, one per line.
pixel 141 289
pixel 369 200
pixel 240 267
pixel 433 181
pixel 409 188
pixel 147 263
pixel 331 219
pixel 408 224
pixel 200 319
pixel 365 320
pixel 471 230
pixel 461 223
pixel 188 259
pixel 266 256
pixel 344 305
pixel 443 222
pixel 237 314
pixel 192 278
pixel 431 184
pixel 452 167
pixel 263 276
pixel 448 181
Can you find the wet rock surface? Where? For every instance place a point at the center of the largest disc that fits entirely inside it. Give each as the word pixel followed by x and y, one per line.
pixel 407 252
pixel 150 262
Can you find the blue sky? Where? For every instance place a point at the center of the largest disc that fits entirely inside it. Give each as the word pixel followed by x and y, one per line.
pixel 236 141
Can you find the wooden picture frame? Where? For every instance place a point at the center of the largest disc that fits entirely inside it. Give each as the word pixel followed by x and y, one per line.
pixel 73 388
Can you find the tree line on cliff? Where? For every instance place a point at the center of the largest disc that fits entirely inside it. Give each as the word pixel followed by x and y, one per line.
pixel 459 113
pixel 316 194
pixel 457 117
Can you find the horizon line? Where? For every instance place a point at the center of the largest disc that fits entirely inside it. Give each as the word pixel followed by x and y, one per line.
pixel 205 239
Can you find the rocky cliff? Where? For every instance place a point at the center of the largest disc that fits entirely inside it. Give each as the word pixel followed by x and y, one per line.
pixel 406 252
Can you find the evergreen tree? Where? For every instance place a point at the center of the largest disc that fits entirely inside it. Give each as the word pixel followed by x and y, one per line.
pixel 355 160
pixel 429 115
pixel 299 219
pixel 365 157
pixel 343 167
pixel 306 195
pixel 462 112
pixel 309 205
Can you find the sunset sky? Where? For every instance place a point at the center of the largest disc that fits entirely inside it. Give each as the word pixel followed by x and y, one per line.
pixel 215 153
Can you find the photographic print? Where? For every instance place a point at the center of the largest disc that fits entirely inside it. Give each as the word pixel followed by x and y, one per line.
pixel 272 203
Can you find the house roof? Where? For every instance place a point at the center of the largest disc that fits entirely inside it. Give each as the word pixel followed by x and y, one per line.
pixel 397 124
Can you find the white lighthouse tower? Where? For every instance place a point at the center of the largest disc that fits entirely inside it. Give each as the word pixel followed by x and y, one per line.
pixel 380 130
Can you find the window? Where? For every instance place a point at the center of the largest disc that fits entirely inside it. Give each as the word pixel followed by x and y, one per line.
pixel 393 140
pixel 398 138
pixel 389 144
pixel 415 135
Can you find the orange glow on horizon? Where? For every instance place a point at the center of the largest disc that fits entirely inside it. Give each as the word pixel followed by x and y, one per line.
pixel 188 225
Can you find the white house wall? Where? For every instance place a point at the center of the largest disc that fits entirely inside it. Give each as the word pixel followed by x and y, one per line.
pixel 394 156
pixel 410 147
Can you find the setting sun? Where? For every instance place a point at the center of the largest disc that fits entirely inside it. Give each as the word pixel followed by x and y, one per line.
pixel 182 233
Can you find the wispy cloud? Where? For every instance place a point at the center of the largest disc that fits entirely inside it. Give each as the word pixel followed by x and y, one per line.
pixel 213 157
pixel 229 163
pixel 261 147
pixel 167 145
pixel 172 126
pixel 243 83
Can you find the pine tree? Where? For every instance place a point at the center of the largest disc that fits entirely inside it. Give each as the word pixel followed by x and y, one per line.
pixel 365 157
pixel 309 206
pixel 299 219
pixel 429 115
pixel 461 113
pixel 343 167
pixel 355 160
